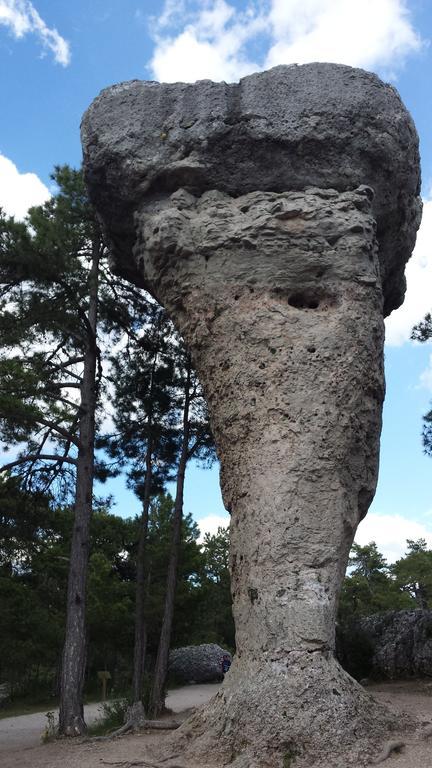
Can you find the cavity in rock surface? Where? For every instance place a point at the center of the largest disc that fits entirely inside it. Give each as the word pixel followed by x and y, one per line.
pixel 273 219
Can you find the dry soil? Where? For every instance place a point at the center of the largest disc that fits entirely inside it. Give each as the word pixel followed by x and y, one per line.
pixel 19 736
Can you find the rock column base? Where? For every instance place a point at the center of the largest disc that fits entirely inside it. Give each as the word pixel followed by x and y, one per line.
pixel 303 711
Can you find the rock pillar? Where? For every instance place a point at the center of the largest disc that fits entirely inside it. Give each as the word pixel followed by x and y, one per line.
pixel 273 219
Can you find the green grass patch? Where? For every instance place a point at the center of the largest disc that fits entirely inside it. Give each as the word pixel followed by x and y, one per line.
pixel 112 717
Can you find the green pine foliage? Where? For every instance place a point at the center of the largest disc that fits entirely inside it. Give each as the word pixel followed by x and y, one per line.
pixel 369 586
pixel 216 623
pixel 413 574
pixel 34 558
pixel 44 270
pixel 143 404
pixel 45 266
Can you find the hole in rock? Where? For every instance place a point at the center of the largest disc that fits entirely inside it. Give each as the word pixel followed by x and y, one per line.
pixel 188 177
pixel 253 594
pixel 303 301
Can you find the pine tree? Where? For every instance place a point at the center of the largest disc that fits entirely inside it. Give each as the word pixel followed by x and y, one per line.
pixel 58 303
pixel 49 328
pixel 413 573
pixel 369 586
pixel 144 443
pixel 216 623
pixel 160 424
pixel 195 441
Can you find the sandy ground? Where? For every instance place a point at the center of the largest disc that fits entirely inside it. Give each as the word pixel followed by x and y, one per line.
pixel 20 747
pixel 416 699
pixel 21 733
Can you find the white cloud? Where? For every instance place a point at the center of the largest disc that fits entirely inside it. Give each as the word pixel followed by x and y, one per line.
pixel 211 45
pixel 19 191
pixel 22 18
pixel 362 33
pixel 172 10
pixel 418 298
pixel 210 524
pixel 212 39
pixel 390 533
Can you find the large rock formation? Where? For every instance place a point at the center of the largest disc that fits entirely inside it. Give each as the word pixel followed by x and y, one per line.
pixel 273 219
pixel 400 642
pixel 197 663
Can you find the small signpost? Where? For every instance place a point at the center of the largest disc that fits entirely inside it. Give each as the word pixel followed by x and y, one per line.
pixel 104 676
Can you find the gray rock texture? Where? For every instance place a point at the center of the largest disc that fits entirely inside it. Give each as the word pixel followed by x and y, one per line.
pixel 321 125
pixel 273 219
pixel 197 663
pixel 401 643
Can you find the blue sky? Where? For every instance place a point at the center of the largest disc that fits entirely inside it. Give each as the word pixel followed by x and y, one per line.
pixel 56 56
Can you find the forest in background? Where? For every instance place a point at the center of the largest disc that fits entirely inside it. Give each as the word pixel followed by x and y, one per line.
pixel 35 539
pixel 34 556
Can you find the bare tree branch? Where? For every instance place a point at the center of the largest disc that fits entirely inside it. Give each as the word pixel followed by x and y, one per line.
pixel 37 457
pixel 69 384
pixel 67 363
pixel 61 430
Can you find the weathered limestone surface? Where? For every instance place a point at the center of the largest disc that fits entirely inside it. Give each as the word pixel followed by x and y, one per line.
pixel 273 219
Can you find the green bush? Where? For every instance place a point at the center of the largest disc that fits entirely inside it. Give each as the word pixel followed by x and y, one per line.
pixel 113 717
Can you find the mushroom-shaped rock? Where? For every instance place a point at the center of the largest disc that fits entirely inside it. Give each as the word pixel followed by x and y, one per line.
pixel 273 219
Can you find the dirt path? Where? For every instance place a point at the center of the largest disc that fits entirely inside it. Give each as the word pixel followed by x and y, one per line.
pixel 412 697
pixel 18 733
pixel 416 699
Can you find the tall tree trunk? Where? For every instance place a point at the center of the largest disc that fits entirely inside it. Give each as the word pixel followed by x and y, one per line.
pixel 136 712
pixel 71 718
pixel 157 699
pixel 140 623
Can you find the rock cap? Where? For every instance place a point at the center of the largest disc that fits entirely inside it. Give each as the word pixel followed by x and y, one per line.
pixel 289 128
